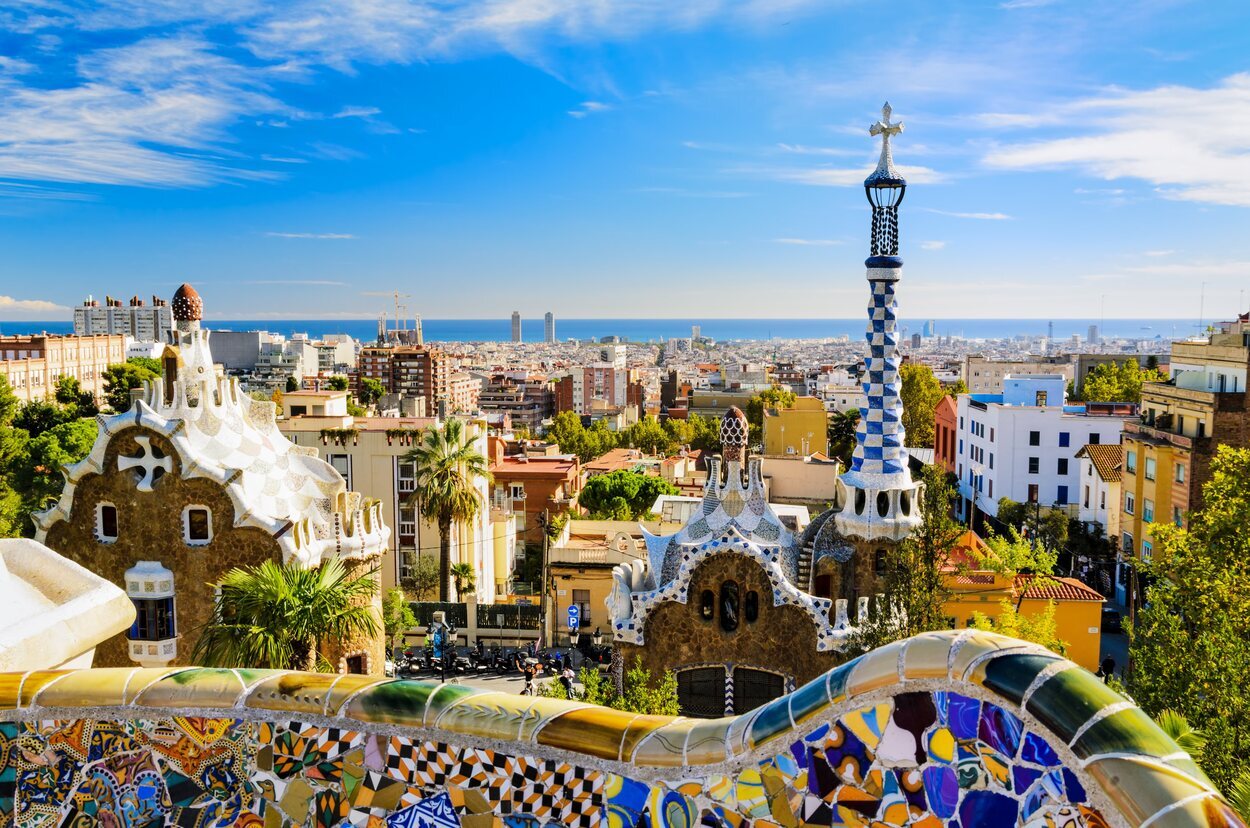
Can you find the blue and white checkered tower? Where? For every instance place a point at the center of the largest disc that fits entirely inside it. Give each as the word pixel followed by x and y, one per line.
pixel 878 496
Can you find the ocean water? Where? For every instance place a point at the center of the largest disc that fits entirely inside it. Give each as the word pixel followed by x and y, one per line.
pixel 650 330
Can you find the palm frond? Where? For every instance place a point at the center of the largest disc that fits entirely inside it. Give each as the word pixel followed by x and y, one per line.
pixel 1238 795
pixel 1177 727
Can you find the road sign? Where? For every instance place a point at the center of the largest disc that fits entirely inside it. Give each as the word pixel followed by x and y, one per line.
pixel 575 616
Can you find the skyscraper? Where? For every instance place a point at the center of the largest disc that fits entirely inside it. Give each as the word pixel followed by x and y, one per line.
pixel 549 328
pixel 516 326
pixel 1092 337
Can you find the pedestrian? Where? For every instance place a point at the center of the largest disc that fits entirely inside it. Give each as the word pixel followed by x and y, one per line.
pixel 1107 668
pixel 566 678
pixel 528 672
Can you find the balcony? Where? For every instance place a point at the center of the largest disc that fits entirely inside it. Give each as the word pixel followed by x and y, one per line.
pixel 1158 436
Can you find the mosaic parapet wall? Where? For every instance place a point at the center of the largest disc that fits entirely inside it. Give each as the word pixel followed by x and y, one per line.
pixel 967 729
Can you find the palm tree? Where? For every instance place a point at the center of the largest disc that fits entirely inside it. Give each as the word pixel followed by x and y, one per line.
pixel 465 577
pixel 448 466
pixel 276 616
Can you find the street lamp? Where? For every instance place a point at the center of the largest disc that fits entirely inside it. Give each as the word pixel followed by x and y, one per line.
pixel 597 638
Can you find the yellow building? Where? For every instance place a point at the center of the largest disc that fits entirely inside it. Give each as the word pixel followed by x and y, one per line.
pixel 799 430
pixel 579 568
pixel 1078 608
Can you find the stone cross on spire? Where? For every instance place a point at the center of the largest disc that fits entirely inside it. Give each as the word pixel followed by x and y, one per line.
pixel 885 128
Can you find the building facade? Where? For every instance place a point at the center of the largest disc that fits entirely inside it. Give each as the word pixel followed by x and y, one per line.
pixel 421 372
pixel 945 433
pixel 194 480
pixel 33 364
pixel 801 429
pixel 516 326
pixel 985 376
pixel 534 487
pixel 135 319
pixel 527 400
pixel 549 328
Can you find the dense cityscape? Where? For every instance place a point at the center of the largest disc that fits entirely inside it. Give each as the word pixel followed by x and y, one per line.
pixel 443 571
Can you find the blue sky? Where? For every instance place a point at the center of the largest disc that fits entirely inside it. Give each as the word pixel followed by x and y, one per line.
pixel 618 158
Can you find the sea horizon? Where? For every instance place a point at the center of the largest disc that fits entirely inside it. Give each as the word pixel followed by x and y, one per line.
pixel 653 330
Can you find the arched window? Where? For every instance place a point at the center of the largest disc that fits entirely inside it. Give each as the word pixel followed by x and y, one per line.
pixel 883 503
pixel 879 562
pixel 751 606
pixel 729 606
pixel 197 525
pixel 860 500
pixel 707 604
pixel 106 522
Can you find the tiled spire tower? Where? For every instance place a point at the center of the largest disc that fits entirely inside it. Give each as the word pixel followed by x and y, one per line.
pixel 878 495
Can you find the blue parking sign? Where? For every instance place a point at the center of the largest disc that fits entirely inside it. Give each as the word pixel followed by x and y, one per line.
pixel 575 616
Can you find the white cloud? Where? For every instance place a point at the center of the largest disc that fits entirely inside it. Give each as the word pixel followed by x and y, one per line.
pixel 800 149
pixel 980 216
pixel 23 306
pixel 357 112
pixel 588 107
pixel 1160 252
pixel 851 176
pixel 1191 144
pixel 811 242
pixel 310 235
pixel 932 245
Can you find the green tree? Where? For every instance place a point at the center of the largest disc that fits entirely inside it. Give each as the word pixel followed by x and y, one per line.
pixel 337 383
pixel 13 455
pixel 1050 526
pixel 422 579
pixel 121 378
pixel 292 384
pixel 448 467
pixel 648 435
pixel 1014 554
pixel 277 617
pixel 1189 645
pixel 643 693
pixel 920 394
pixel 956 388
pixel 704 433
pixel 465 578
pixel 38 474
pixel 69 394
pixel 9 403
pixel 369 391
pixel 1179 730
pixel 622 494
pixel 916 571
pixel 842 427
pixel 679 432
pixel 1040 628
pixel 1117 382
pixel 37 416
pixel 397 615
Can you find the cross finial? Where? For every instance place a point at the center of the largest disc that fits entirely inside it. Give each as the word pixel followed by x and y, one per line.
pixel 886 129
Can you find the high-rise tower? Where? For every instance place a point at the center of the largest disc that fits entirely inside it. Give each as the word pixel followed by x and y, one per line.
pixel 549 327
pixel 879 498
pixel 516 326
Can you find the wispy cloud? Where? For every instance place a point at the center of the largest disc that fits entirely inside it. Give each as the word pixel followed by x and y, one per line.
pixel 1192 144
pixel 278 235
pixel 848 176
pixel 357 112
pixel 809 242
pixel 588 108
pixel 20 306
pixel 801 149
pixel 932 245
pixel 313 282
pixel 1159 252
pixel 980 216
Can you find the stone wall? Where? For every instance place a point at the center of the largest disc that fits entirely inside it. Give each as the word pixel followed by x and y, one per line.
pixel 150 528
pixel 968 729
pixel 781 640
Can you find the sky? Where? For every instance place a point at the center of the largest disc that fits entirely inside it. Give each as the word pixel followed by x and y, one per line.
pixel 623 158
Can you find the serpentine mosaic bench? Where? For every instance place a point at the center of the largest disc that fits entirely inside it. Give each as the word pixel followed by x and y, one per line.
pixel 960 728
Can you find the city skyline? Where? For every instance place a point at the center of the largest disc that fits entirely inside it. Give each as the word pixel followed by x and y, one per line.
pixel 296 164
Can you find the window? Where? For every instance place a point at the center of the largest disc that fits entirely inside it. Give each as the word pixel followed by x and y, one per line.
pixel 961 423
pixel 1064 439
pixel 961 445
pixel 1102 500
pixel 991 491
pixel 991 459
pixel 707 605
pixel 1177 516
pixel 356 665
pixel 106 522
pixel 879 562
pixel 1146 550
pixel 1148 510
pixel 1150 468
pixel 343 465
pixel 1180 473
pixel 154 619
pixel 751 606
pixel 1039 398
pixel 1085 499
pixel 1126 543
pixel 1035 464
pixel 1035 438
pixel 729 606
pixel 1130 462
pixel 1063 465
pixel 1062 497
pixel 991 434
pixel 1130 503
pixel 1093 439
pixel 197 525
pixel 517 491
pixel 581 597
pixel 1032 493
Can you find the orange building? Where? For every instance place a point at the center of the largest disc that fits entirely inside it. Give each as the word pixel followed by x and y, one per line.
pixel 945 422
pixel 533 484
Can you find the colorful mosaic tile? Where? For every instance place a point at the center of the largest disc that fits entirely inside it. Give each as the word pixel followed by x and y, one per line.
pixel 279 751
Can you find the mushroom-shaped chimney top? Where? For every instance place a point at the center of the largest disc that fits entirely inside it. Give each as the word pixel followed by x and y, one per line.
pixel 733 434
pixel 187 305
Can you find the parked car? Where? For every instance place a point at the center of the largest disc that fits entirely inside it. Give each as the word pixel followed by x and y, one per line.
pixel 1111 620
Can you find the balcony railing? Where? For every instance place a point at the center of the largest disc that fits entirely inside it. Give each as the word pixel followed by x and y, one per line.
pixel 1158 434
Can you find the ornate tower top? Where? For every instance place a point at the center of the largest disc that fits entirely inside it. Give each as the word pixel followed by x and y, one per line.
pixel 187 305
pixel 733 435
pixel 885 174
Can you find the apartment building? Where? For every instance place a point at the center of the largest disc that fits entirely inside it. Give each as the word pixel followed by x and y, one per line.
pixel 985 376
pixel 800 430
pixel 945 432
pixel 135 319
pixel 604 382
pixel 527 400
pixel 532 485
pixel 33 364
pixel 1167 456
pixel 420 371
pixel 369 453
pixel 1022 443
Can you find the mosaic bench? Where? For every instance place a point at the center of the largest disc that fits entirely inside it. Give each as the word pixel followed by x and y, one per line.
pixel 956 728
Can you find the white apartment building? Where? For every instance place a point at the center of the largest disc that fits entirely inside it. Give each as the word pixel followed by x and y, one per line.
pixel 1022 443
pixel 136 320
pixel 986 376
pixel 1101 470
